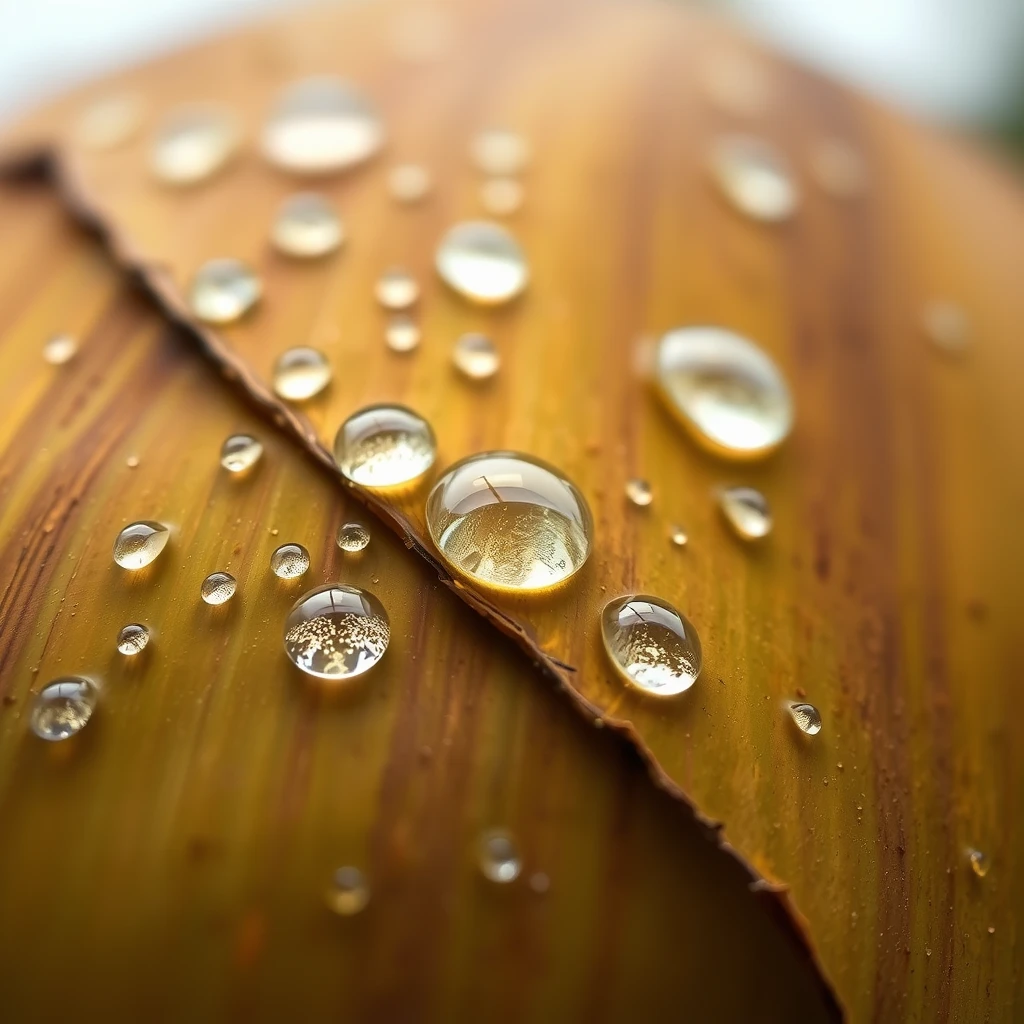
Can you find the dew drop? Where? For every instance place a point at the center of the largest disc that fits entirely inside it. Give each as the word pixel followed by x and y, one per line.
pixel 132 639
pixel 838 169
pixel 193 144
pixel 307 226
pixel 475 356
pixel 109 122
pixel 301 373
pixel 946 326
pixel 63 708
pixel 754 177
pixel 639 492
pixel 138 544
pixel 482 262
pixel 289 561
pixel 807 718
pixel 747 511
pixel 240 452
pixel 409 183
pixel 224 290
pixel 60 349
pixel 353 537
pixel 499 153
pixel 402 333
pixel 725 390
pixel 348 892
pixel 336 632
pixel 385 446
pixel 219 588
pixel 501 197
pixel 510 522
pixel 979 862
pixel 321 125
pixel 397 289
pixel 498 856
pixel 679 537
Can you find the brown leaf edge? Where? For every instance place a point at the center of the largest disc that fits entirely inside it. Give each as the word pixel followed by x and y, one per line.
pixel 45 163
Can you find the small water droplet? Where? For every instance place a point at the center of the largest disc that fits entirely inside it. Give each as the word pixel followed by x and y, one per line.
pixel 402 333
pixel 482 262
pixel 289 561
pixel 476 356
pixel 219 587
pixel 193 144
pixel 132 462
pixel 501 197
pixel 353 537
pixel 807 718
pixel 652 644
pixel 336 632
pixel 498 856
pixel 307 226
pixel 59 349
pixel 321 125
pixel 240 452
pixel 385 446
pixel 747 511
pixel 499 153
pixel 63 708
pixel 679 537
pixel 301 373
pixel 132 639
pixel 946 325
pixel 138 544
pixel 639 492
pixel 510 522
pixel 838 169
pixel 109 122
pixel 725 390
pixel 409 183
pixel 348 892
pixel 979 862
pixel 397 289
pixel 754 177
pixel 224 290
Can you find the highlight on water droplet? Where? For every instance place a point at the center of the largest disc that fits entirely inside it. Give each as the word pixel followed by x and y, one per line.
pixel 219 588
pixel 132 639
pixel 109 122
pixel 348 892
pixel 498 856
pixel 508 521
pixel 194 143
pixel 639 492
pixel 754 177
pixel 946 326
pixel 978 861
pixel 336 632
pixel 397 289
pixel 307 227
pixel 838 168
pixel 501 197
pixel 476 356
pixel 240 452
pixel 138 544
pixel 223 291
pixel 60 349
pixel 678 536
pixel 652 644
pixel 482 262
pixel 353 537
pixel 289 561
pixel 402 333
pixel 499 153
pixel 747 511
pixel 385 446
pixel 63 708
pixel 409 183
pixel 725 390
pixel 301 373
pixel 806 716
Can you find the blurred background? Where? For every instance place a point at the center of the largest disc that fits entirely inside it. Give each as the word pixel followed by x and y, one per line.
pixel 955 61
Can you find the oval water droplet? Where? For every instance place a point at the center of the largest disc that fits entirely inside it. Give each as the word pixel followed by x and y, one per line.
pixel 498 856
pixel 397 289
pixel 132 639
pixel 510 522
pixel 754 177
pixel 60 349
pixel 409 183
pixel 482 262
pixel 639 492
pixel 747 511
pixel 807 718
pixel 218 588
pixel 979 862
pixel 138 544
pixel 353 537
pixel 289 561
pixel 109 122
pixel 946 326
pixel 63 708
pixel 307 226
pixel 348 892
pixel 402 333
pixel 336 632
pixel 240 452
pixel 499 153
pixel 385 446
pixel 224 290
pixel 501 197
pixel 301 373
pixel 475 356
pixel 194 143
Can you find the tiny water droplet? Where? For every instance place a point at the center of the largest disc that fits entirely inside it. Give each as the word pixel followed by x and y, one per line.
pixel 747 511
pixel 501 197
pixel 639 492
pixel 132 639
pixel 510 522
pixel 679 537
pixel 499 153
pixel 946 326
pixel 838 169
pixel 59 349
pixel 307 226
pixel 301 373
pixel 385 446
pixel 402 333
pixel 109 122
pixel 289 561
pixel 979 862
pixel 475 356
pixel 224 290
pixel 193 144
pixel 409 183
pixel 348 892
pixel 336 632
pixel 652 644
pixel 482 262
pixel 397 289
pixel 63 708
pixel 353 537
pixel 219 587
pixel 138 544
pixel 498 856
pixel 754 177
pixel 807 718
pixel 240 452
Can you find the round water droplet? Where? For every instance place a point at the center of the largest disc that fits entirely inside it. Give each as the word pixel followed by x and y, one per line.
pixel 397 289
pixel 336 632
pixel 289 561
pixel 193 144
pixel 946 326
pixel 725 390
pixel 639 492
pixel 219 587
pixel 321 125
pixel 348 892
pixel 409 183
pixel 240 452
pixel 754 177
pixel 224 290
pixel 63 708
pixel 499 153
pixel 353 537
pixel 679 537
pixel 475 356
pixel 838 169
pixel 979 862
pixel 807 718
pixel 501 197
pixel 498 856
pixel 510 522
pixel 109 122
pixel 138 544
pixel 301 373
pixel 747 511
pixel 385 446
pixel 60 349
pixel 132 639
pixel 307 226
pixel 402 333
pixel 651 644
pixel 482 262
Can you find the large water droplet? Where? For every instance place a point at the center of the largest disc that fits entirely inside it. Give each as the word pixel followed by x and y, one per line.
pixel 510 522
pixel 946 325
pixel 979 862
pixel 132 639
pixel 501 197
pixel 807 718
pixel 289 561
pixel 498 856
pixel 409 183
pixel 353 537
pixel 336 632
pixel 385 446
pixel 109 122
pixel 498 152
pixel 482 262
pixel 321 125
pixel 638 492
pixel 654 646
pixel 193 144
pixel 725 390
pixel 301 373
pixel 240 452
pixel 307 226
pixel 747 511
pixel 218 588
pixel 63 708
pixel 475 355
pixel 754 177
pixel 402 333
pixel 348 892
pixel 60 349
pixel 397 289
pixel 224 290
pixel 138 544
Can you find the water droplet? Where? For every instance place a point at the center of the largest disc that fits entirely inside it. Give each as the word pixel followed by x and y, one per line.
pixel 402 333
pixel 679 537
pixel 946 326
pixel 475 356
pixel 193 144
pixel 747 511
pixel 725 390
pixel 807 718
pixel 348 892
pixel 59 349
pixel 754 177
pixel 501 197
pixel 224 290
pixel 307 226
pixel 979 862
pixel 353 537
pixel 499 153
pixel 301 373
pixel 385 446
pixel 132 639
pixel 510 522
pixel 409 183
pixel 138 544
pixel 63 708
pixel 397 289
pixel 289 561
pixel 838 169
pixel 336 632
pixel 219 587
pixel 654 646
pixel 482 262
pixel 240 452
pixel 321 125
pixel 109 122
pixel 132 462
pixel 639 492
pixel 498 856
